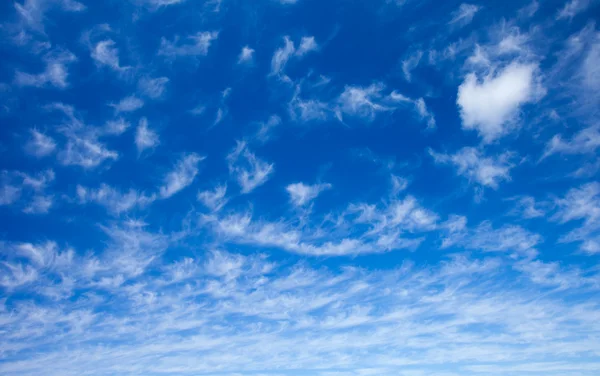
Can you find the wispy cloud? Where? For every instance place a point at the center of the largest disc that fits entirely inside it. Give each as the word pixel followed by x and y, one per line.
pixel 302 194
pixel 464 14
pixel 40 145
pixel 183 174
pixel 472 164
pixel 145 138
pixel 249 171
pixel 128 104
pixel 55 74
pixel 198 45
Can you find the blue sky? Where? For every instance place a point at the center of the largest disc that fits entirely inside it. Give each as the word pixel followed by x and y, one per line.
pixel 299 187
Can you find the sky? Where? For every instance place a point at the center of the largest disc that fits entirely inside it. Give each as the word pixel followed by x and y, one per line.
pixel 299 187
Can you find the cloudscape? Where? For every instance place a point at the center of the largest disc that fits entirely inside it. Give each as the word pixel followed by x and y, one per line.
pixel 300 188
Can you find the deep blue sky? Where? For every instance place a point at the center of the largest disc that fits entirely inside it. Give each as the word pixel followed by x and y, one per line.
pixel 299 187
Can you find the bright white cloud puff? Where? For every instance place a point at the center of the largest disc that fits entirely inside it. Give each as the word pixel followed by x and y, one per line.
pixel 295 187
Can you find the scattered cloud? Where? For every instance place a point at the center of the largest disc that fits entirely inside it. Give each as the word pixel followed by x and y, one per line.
pixel 153 88
pixel 115 201
pixel 39 145
pixel 183 174
pixel 198 45
pixel 145 138
pixel 464 14
pixel 128 104
pixel 55 74
pixel 302 194
pixel 214 199
pixel 472 164
pixel 572 8
pixel 246 55
pixel 249 170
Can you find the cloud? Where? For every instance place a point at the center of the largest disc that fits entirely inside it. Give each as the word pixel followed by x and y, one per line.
pixel 39 145
pixel 491 105
pixel 572 8
pixel 264 132
pixel 307 44
pixel 33 12
pixel 83 147
pixel 40 204
pixel 527 208
pixel 410 63
pixel 470 163
pixel 145 138
pixel 183 174
pixel 283 54
pixel 153 88
pixel 198 46
pixel 486 238
pixel 362 101
pixel 585 141
pixel 128 104
pixel 215 199
pixel 113 200
pixel 464 14
pixel 246 55
pixel 105 53
pixel 581 204
pixel 249 170
pixel 55 74
pixel 302 194
pixel 306 110
pixel 115 127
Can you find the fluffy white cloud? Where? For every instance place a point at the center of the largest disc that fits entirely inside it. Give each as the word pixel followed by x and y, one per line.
pixel 470 163
pixel 106 54
pixel 145 138
pixel 198 45
pixel 491 105
pixel 302 194
pixel 183 174
pixel 249 170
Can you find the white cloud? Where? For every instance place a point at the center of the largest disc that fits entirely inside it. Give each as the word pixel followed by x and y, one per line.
pixel 572 8
pixel 491 105
pixel 145 138
pixel 55 74
pixel 215 199
pixel 246 55
pixel 586 141
pixel 115 127
pixel 9 193
pixel 33 12
pixel 302 194
pixel 470 163
pixel 39 145
pixel 198 46
pixel 307 44
pixel 527 208
pixel 153 87
pixel 410 63
pixel 362 101
pixel 281 56
pixel 106 54
pixel 85 152
pixel 464 14
pixel 115 201
pixel 183 174
pixel 486 238
pixel 306 110
pixel 128 104
pixel 264 132
pixel 249 170
pixel 581 205
pixel 40 204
